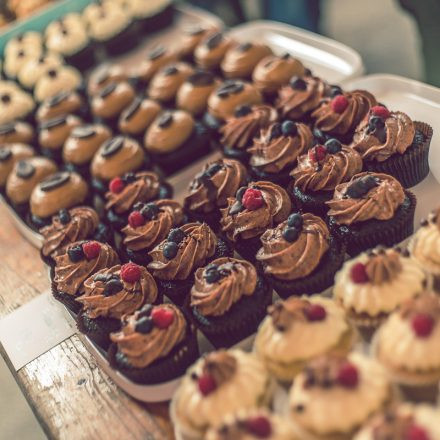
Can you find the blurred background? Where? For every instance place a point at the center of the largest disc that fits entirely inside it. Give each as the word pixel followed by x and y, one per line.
pixel 387 36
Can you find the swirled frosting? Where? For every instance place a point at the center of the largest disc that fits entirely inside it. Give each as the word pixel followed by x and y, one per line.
pixel 380 202
pixel 251 223
pixel 359 104
pixel 196 247
pixel 10 154
pixel 70 275
pixel 150 234
pixel 287 260
pixel 294 102
pixel 399 134
pixel 322 409
pixel 99 301
pixel 142 349
pixel 194 413
pixel 82 223
pixel 211 188
pixel 237 278
pixel 239 130
pixel 272 153
pixel 325 175
pixel 392 279
pixel 144 186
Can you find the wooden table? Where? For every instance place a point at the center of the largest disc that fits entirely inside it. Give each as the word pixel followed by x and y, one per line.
pixel 70 395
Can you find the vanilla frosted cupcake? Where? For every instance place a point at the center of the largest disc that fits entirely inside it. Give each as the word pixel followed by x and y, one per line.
pixel 14 104
pixel 404 421
pixel 375 283
pixel 407 345
pixel 218 384
pixel 35 68
pixel 333 396
pixel 425 246
pixel 56 80
pixel 299 329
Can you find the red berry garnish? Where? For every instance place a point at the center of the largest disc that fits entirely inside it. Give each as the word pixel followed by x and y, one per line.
pixel 348 375
pixel 381 111
pixel 317 153
pixel 339 103
pixel 130 272
pixel 116 185
pixel 206 384
pixel 359 274
pixel 422 325
pixel 259 426
pixel 416 433
pixel 252 199
pixel 162 317
pixel 136 219
pixel 315 312
pixel 91 249
pixel 312 155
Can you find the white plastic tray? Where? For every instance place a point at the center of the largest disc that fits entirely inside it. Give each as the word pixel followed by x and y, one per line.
pixel 333 61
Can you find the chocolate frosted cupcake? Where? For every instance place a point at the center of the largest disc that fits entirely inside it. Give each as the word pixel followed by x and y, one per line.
pixel 175 259
pixel 56 80
pixel 35 68
pixel 16 132
pixel 115 157
pixel 240 129
pixel 54 132
pixel 77 262
pixel 191 38
pixel 391 143
pixel 61 104
pixel 300 256
pixel 82 144
pixel 319 171
pixel 128 190
pixel 138 116
pixel 193 94
pixel 211 51
pixel 298 99
pixel 240 60
pixel 58 191
pixel 223 102
pixel 274 71
pixel 105 75
pixel 369 210
pixel 158 57
pixel 210 189
pixel 174 140
pixel 155 345
pixel 275 151
pixel 109 102
pixel 340 115
pixel 148 225
pixel 10 154
pixel 254 209
pixel 165 83
pixel 24 177
pixel 228 300
pixel 110 294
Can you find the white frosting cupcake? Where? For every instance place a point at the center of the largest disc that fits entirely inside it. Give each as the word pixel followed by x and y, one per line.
pixel 15 60
pixel 298 330
pixel 223 382
pixel 147 8
pixel 35 68
pixel 29 41
pixel 54 81
pixel 14 104
pixel 334 396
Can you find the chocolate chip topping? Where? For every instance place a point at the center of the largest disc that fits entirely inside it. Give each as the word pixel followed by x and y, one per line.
pixel 229 88
pixel 55 181
pixel 201 78
pixel 52 123
pixel 112 146
pixel 214 40
pixel 6 98
pixel 165 120
pixel 52 73
pixel 25 170
pixel 132 108
pixel 57 99
pixel 7 128
pixel 156 53
pixel 5 154
pixel 243 47
pixel 170 70
pixel 83 131
pixel 107 90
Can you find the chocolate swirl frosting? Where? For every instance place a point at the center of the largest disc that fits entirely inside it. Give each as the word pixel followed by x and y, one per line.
pixel 251 223
pixel 196 247
pixel 273 153
pixel 239 130
pixel 380 202
pixel 70 275
pixel 328 173
pixel 82 223
pixel 288 260
pixel 150 234
pixel 144 187
pixel 359 104
pixel 98 302
pixel 211 188
pixel 235 279
pixel 399 133
pixel 383 266
pixel 142 349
